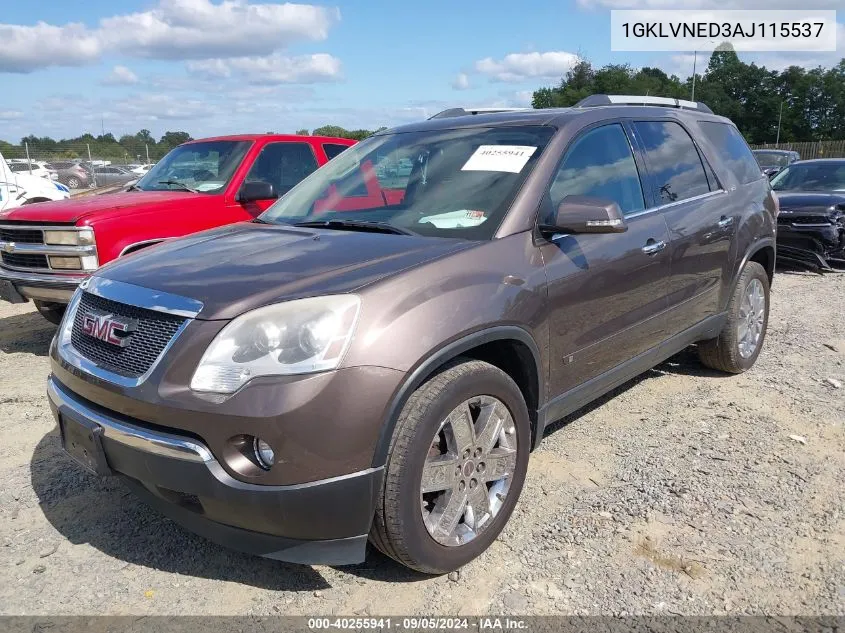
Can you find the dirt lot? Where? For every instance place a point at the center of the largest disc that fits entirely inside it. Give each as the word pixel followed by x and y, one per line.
pixel 684 492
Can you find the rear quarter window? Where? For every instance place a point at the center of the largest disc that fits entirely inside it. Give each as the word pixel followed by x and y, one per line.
pixel 732 150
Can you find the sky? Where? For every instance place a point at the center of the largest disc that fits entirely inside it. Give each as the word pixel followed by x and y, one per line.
pixel 226 66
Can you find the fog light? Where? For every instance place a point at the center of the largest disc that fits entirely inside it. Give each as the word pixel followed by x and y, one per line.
pixel 263 453
pixel 65 263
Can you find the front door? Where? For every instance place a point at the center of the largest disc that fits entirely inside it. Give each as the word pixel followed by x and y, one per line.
pixel 607 292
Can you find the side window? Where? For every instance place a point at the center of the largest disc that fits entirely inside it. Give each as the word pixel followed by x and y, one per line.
pixel 600 164
pixel 283 165
pixel 733 150
pixel 333 149
pixel 673 161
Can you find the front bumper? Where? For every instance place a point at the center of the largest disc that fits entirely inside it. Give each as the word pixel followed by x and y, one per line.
pixel 320 522
pixel 51 287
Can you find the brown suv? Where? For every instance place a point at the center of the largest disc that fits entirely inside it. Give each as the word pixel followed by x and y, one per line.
pixel 377 354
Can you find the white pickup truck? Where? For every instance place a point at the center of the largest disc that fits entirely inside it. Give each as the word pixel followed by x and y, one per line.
pixel 19 188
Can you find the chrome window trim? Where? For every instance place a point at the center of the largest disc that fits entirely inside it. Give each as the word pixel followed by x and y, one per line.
pixel 141 297
pixel 669 205
pixel 130 435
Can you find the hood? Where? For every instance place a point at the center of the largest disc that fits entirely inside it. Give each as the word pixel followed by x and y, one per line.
pixel 87 207
pixel 804 202
pixel 240 267
pixel 808 200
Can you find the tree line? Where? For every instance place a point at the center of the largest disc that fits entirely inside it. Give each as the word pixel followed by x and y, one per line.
pixel 133 147
pixel 811 102
pixel 129 147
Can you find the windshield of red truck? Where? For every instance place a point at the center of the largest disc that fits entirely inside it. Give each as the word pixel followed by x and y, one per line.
pixel 440 183
pixel 204 167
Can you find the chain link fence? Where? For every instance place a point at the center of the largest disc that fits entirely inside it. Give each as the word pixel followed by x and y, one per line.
pixel 810 149
pixel 83 167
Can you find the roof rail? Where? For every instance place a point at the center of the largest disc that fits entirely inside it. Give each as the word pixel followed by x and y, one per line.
pixel 445 114
pixel 668 102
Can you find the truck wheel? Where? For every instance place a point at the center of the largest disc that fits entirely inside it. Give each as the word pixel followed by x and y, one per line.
pixel 738 345
pixel 455 468
pixel 53 312
pixel 73 182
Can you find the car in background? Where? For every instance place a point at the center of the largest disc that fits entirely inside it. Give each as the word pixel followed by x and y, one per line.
pixel 34 169
pixel 72 174
pixel 113 175
pixel 199 185
pixel 811 222
pixel 140 170
pixel 771 161
pixel 18 188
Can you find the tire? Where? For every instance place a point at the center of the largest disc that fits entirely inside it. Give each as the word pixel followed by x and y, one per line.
pixel 727 352
pixel 73 182
pixel 399 529
pixel 53 312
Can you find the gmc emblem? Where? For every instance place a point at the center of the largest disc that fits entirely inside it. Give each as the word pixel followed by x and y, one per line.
pixel 108 328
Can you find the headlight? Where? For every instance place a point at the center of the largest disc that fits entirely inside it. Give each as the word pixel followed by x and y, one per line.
pixel 82 237
pixel 295 337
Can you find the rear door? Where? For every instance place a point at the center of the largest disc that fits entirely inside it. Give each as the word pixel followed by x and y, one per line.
pixel 607 292
pixel 685 190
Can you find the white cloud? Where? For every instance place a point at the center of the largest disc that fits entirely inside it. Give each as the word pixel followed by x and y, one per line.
pixel 121 76
pixel 272 69
pixel 520 66
pixel 461 82
pixel 710 4
pixel 26 48
pixel 9 115
pixel 175 29
pixel 199 29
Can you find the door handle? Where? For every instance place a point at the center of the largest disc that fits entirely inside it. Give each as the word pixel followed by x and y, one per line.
pixel 725 222
pixel 651 247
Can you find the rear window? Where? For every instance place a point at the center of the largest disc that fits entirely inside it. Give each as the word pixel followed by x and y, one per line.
pixel 333 149
pixel 733 150
pixel 673 161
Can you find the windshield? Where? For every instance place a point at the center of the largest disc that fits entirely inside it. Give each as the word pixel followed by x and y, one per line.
pixel 440 183
pixel 206 167
pixel 811 177
pixel 769 159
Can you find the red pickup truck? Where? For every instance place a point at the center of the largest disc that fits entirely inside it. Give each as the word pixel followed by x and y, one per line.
pixel 47 249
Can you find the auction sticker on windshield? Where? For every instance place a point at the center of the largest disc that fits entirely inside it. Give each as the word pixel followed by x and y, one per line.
pixel 510 158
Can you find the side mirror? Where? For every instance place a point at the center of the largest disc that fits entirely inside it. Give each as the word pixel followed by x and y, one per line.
pixel 582 214
pixel 256 190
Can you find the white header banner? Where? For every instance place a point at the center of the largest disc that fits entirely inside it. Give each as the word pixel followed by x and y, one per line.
pixel 748 31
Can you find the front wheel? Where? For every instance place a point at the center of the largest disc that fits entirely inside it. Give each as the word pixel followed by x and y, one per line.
pixel 738 345
pixel 456 466
pixel 53 312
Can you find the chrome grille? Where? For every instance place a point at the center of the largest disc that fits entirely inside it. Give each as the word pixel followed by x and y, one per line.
pixel 21 236
pixel 155 330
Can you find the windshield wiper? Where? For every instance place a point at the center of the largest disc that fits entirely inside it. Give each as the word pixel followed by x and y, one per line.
pixel 176 183
pixel 133 188
pixel 367 225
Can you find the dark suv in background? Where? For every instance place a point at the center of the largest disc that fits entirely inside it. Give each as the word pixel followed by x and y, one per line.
pixel 375 356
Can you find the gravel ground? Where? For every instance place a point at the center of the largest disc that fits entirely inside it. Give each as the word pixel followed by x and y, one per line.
pixel 683 492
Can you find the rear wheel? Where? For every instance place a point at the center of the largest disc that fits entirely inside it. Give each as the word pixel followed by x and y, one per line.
pixel 456 466
pixel 73 182
pixel 738 345
pixel 53 312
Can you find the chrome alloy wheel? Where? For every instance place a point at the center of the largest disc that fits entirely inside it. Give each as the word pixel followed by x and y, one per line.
pixel 752 314
pixel 468 470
